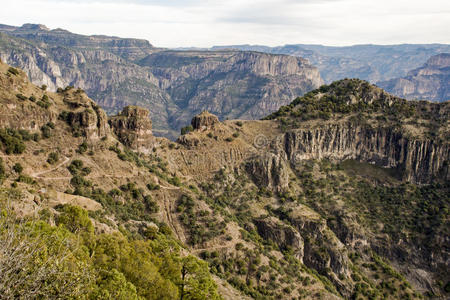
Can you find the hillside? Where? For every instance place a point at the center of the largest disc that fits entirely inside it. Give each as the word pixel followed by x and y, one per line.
pixel 173 85
pixel 374 63
pixel 341 194
pixel 430 82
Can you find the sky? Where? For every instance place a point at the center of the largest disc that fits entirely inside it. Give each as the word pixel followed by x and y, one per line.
pixel 195 23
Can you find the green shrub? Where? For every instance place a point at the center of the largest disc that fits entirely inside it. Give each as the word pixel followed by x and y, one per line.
pixel 18 168
pixel 12 141
pixel 13 71
pixel 74 218
pixel 21 97
pixel 32 98
pixel 186 129
pixel 43 87
pixel 25 179
pixel 2 171
pixel 46 131
pixel 53 158
pixel 153 186
pixel 82 148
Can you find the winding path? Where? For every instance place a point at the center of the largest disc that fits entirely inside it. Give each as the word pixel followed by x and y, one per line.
pixel 38 174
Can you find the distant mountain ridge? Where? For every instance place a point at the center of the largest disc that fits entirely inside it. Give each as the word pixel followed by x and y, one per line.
pixel 429 82
pixel 374 63
pixel 173 85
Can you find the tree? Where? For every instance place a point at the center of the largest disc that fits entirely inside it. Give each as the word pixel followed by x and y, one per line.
pixel 75 219
pixel 196 282
pixel 39 261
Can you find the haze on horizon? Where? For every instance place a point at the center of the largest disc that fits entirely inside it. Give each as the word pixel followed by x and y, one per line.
pixel 195 23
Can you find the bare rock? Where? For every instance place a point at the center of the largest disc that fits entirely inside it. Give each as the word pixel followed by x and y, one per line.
pixel 133 128
pixel 270 228
pixel 204 121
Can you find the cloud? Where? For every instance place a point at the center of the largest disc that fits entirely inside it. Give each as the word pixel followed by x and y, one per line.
pixel 271 22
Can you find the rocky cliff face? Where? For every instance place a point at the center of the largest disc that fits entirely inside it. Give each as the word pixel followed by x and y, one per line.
pixel 418 160
pixel 173 85
pixel 374 63
pixel 275 206
pixel 429 82
pixel 133 128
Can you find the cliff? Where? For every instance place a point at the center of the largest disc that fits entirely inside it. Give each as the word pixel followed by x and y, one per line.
pixel 173 85
pixel 429 82
pixel 417 161
pixel 343 193
pixel 133 128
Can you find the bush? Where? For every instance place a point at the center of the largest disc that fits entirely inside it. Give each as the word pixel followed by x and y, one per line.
pixel 2 171
pixel 12 141
pixel 75 219
pixel 186 129
pixel 153 186
pixel 43 87
pixel 44 102
pixel 82 148
pixel 25 179
pixel 32 98
pixel 13 71
pixel 18 168
pixel 46 131
pixel 53 158
pixel 21 97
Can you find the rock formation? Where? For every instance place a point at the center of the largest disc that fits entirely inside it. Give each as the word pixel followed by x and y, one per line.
pixel 429 82
pixel 133 128
pixel 173 85
pixel 418 160
pixel 204 121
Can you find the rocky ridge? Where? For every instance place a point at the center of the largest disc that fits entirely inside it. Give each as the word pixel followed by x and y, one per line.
pixel 375 63
pixel 173 85
pixel 429 82
pixel 265 203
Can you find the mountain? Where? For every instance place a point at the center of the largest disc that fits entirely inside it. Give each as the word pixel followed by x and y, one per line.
pixel 368 62
pixel 173 85
pixel 429 82
pixel 343 193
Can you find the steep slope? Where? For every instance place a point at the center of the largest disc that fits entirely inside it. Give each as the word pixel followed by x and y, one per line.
pixel 231 84
pixel 429 82
pixel 368 62
pixel 173 85
pixel 317 201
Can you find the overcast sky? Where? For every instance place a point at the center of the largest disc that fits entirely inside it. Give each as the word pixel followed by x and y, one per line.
pixel 206 23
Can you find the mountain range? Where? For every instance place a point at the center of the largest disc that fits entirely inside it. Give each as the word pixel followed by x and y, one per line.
pixel 342 193
pixel 173 85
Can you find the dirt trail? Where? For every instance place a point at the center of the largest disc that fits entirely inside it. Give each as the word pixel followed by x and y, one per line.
pixel 38 174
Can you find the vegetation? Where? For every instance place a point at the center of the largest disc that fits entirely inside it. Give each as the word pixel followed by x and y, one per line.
pixel 70 261
pixel 186 129
pixel 53 158
pixel 44 102
pixel 13 140
pixel 13 71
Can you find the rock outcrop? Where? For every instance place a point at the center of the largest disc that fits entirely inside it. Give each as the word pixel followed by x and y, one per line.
pixel 429 82
pixel 133 128
pixel 269 170
pixel 204 121
pixel 173 85
pixel 286 237
pixel 86 117
pixel 418 160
